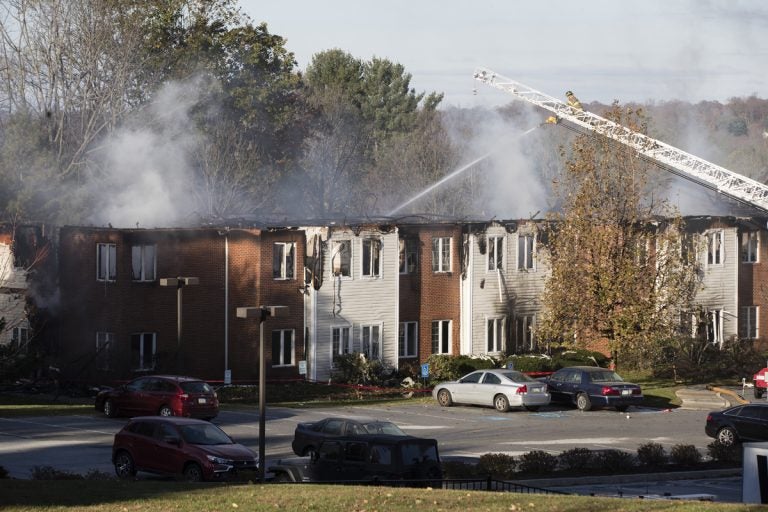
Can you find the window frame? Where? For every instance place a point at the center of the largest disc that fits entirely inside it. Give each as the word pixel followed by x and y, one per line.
pixel 336 252
pixel 142 342
pixel 439 253
pixel 525 332
pixel 498 331
pixel 105 340
pixel 371 248
pixel 716 255
pixel 372 343
pixel 282 349
pixel 495 253
pixel 439 327
pixel 750 247
pixel 749 322
pixel 284 261
pixel 142 263
pixel 337 345
pixel 106 256
pixel 20 335
pixel 404 341
pixel 408 255
pixel 526 252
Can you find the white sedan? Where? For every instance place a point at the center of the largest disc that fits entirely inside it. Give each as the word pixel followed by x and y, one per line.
pixel 501 389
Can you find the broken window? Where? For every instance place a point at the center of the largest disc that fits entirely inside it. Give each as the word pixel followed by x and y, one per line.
pixel 104 344
pixel 341 258
pixel 715 248
pixel 714 327
pixel 143 262
pixel 495 253
pixel 750 243
pixel 524 333
pixel 441 337
pixel 494 333
pixel 748 321
pixel 408 339
pixel 525 251
pixel 409 255
pixel 371 341
pixel 283 258
pixel 106 262
pixel 441 254
pixel 282 347
pixel 143 347
pixel 371 263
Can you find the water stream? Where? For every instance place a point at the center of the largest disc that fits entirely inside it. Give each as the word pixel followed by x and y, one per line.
pixel 449 176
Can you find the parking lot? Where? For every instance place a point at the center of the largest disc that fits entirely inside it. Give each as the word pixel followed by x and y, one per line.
pixel 82 443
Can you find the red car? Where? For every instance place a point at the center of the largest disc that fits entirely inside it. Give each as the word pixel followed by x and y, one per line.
pixel 193 449
pixel 164 395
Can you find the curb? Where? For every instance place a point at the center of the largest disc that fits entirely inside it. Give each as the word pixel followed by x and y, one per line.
pixel 630 478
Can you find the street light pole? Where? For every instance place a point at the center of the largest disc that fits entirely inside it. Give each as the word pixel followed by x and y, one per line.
pixel 262 313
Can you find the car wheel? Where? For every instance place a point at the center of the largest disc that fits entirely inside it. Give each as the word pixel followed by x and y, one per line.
pixel 193 472
pixel 444 398
pixel 532 408
pixel 110 409
pixel 124 466
pixel 583 402
pixel 165 411
pixel 726 436
pixel 281 478
pixel 501 403
pixel 622 408
pixel 759 392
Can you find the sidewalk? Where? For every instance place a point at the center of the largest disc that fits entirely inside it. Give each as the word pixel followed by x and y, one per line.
pixel 703 397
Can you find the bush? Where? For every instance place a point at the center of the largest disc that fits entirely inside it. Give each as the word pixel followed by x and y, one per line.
pixel 458 469
pixel 720 452
pixel 579 357
pixel 575 458
pixel 498 465
pixel 537 462
pixel 651 454
pixel 355 368
pixel 614 460
pixel 95 474
pixel 51 473
pixel 685 455
pixel 529 363
pixel 443 367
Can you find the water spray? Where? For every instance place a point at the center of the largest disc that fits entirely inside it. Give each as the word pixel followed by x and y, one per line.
pixel 450 176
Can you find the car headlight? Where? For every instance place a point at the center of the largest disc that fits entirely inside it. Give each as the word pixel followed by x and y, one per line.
pixel 218 460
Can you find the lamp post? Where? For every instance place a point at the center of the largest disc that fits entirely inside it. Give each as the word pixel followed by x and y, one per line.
pixel 262 313
pixel 179 283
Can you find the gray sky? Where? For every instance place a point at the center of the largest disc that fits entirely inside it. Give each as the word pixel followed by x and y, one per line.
pixel 603 50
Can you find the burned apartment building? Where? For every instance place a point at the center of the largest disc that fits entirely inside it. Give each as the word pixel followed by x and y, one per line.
pixel 395 292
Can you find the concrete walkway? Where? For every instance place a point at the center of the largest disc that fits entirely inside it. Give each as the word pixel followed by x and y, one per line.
pixel 704 397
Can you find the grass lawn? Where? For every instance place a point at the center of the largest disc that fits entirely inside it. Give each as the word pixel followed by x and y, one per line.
pixel 23 495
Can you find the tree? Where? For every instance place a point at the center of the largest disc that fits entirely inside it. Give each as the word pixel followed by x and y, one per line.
pixel 619 271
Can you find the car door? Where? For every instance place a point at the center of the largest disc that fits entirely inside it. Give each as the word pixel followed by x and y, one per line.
pixel 488 388
pixel 166 449
pixel 327 466
pixel 130 401
pixel 558 386
pixel 465 390
pixel 750 424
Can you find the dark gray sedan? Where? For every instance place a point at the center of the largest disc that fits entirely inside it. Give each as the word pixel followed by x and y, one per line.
pixel 591 386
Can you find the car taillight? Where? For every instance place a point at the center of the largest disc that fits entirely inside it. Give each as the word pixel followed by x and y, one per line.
pixel 522 390
pixel 184 396
pixel 709 418
pixel 608 390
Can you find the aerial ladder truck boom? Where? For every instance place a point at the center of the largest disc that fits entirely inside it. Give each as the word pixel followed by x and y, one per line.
pixel 677 161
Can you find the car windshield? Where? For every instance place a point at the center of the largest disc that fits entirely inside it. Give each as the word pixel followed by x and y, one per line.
pixel 204 434
pixel 516 376
pixel 383 427
pixel 195 386
pixel 607 376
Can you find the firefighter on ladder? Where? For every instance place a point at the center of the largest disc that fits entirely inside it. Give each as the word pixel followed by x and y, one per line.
pixel 573 101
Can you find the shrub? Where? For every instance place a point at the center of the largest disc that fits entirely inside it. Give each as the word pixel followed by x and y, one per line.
pixel 529 363
pixel 724 453
pixel 579 357
pixel 498 465
pixel 458 469
pixel 575 458
pixel 614 460
pixel 443 367
pixel 685 455
pixel 537 462
pixel 355 368
pixel 95 474
pixel 51 473
pixel 651 454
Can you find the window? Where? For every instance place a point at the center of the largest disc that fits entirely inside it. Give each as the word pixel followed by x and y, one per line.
pixel 495 253
pixel 714 327
pixel 341 258
pixel 143 347
pixel 494 335
pixel 441 254
pixel 19 336
pixel 750 243
pixel 525 251
pixel 371 341
pixel 408 339
pixel 104 344
pixel 143 262
pixel 106 262
pixel 441 337
pixel 341 341
pixel 409 255
pixel 283 258
pixel 748 322
pixel 715 248
pixel 524 332
pixel 282 347
pixel 371 263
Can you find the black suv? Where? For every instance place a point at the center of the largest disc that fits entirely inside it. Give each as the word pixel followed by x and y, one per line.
pixel 364 458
